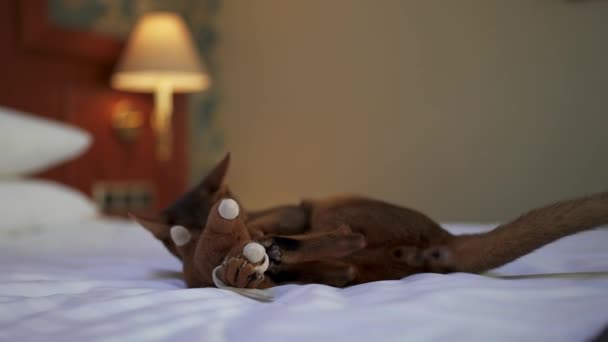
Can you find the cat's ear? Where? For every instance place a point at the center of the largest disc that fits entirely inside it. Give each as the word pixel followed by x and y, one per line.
pixel 215 178
pixel 154 225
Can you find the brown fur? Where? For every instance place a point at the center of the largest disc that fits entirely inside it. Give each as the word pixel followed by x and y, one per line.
pixel 348 240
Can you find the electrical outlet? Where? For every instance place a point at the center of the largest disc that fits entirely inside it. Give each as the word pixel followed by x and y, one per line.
pixel 123 197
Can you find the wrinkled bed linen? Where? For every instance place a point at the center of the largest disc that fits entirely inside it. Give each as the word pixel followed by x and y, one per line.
pixel 108 280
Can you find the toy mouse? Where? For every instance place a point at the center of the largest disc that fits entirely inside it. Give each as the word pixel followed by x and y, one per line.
pixel 342 241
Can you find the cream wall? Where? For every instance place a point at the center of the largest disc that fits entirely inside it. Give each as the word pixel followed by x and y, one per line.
pixel 467 110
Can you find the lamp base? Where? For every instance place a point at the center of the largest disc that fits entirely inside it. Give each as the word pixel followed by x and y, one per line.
pixel 163 109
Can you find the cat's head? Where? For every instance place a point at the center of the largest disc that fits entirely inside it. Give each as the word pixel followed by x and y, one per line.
pixel 191 209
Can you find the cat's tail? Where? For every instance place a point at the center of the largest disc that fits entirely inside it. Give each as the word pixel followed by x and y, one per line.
pixel 481 252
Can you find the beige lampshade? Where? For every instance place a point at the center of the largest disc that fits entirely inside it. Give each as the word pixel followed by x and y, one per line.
pixel 160 52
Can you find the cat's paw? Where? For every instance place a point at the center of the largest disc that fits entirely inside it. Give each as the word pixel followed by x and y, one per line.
pixel 272 250
pixel 274 253
pixel 438 259
pixel 239 272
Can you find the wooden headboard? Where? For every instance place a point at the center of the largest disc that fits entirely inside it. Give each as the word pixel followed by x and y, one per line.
pixel 63 75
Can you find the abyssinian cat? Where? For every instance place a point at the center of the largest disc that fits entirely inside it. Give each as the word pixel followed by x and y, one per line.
pixel 342 241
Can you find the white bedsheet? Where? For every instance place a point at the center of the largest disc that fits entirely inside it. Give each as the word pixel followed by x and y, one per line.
pixel 110 281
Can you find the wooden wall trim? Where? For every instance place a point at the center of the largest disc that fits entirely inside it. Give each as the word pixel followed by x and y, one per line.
pixel 64 75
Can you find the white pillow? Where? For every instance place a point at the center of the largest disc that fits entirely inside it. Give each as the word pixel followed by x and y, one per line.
pixel 30 205
pixel 30 144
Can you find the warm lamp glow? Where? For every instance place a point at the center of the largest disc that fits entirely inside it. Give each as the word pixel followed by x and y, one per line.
pixel 160 57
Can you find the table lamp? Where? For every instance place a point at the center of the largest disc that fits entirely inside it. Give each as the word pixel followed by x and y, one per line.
pixel 160 57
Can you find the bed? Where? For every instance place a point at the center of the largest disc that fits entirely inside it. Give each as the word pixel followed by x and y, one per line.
pixel 68 273
pixel 109 280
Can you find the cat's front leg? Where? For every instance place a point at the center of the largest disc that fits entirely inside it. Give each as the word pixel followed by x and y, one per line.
pixel 313 246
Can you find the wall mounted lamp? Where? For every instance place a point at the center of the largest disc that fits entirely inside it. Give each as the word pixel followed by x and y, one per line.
pixel 160 57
